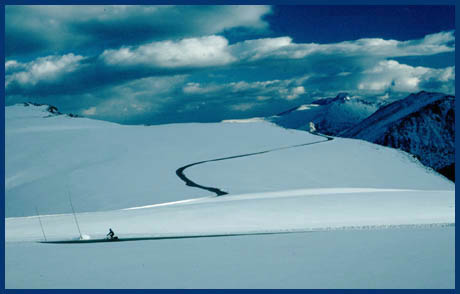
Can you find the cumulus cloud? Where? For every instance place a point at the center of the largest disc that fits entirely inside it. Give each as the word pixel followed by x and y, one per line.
pixel 215 51
pixel 361 64
pixel 45 69
pixel 391 75
pixel 284 48
pixel 168 80
pixel 62 28
pixel 191 52
pixel 374 79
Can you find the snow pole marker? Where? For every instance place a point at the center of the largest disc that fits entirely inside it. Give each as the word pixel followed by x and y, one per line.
pixel 41 225
pixel 74 215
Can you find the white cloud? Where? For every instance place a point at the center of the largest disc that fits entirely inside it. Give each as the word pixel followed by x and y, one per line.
pixel 390 74
pixel 361 67
pixel 90 111
pixel 191 52
pixel 12 65
pixel 438 38
pixel 148 86
pixel 214 51
pixel 261 48
pixel 261 90
pixel 295 92
pixel 376 79
pixel 42 69
pixel 284 48
pixel 132 99
pixel 196 88
pixel 243 106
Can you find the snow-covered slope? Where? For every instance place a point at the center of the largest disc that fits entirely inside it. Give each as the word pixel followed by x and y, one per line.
pixel 348 192
pixel 109 166
pixel 330 115
pixel 422 124
pixel 105 166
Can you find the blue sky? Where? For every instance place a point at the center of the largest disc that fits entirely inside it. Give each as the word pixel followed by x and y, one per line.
pixel 161 64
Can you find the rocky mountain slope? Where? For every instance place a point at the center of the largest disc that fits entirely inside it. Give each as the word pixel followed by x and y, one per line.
pixel 422 124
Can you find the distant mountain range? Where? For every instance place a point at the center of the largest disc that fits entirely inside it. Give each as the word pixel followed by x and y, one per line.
pixel 330 116
pixel 422 124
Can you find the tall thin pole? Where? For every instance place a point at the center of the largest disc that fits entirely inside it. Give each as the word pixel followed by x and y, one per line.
pixel 41 225
pixel 75 216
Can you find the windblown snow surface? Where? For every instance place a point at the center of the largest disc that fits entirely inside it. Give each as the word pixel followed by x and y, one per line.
pixel 339 213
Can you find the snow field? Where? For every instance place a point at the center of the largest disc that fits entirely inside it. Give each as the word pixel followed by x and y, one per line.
pixel 356 215
pixel 386 259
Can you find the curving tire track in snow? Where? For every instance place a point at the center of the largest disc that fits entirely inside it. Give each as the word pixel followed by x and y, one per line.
pixel 219 192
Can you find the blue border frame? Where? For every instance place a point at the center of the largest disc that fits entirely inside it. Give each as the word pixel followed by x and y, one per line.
pixel 207 2
pixel 233 2
pixel 2 113
pixel 457 140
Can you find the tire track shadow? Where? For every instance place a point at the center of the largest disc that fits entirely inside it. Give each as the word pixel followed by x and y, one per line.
pixel 219 192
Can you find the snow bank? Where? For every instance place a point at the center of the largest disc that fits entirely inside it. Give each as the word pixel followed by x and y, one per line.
pixel 285 211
